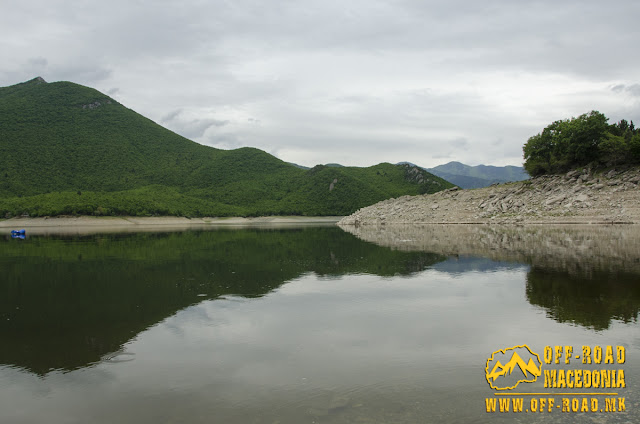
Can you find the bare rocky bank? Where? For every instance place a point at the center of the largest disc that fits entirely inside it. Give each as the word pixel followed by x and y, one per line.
pixel 577 197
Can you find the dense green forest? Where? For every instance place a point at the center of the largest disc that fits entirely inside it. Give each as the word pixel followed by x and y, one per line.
pixel 586 140
pixel 66 149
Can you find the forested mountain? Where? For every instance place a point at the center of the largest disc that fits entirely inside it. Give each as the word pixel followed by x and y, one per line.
pixel 69 149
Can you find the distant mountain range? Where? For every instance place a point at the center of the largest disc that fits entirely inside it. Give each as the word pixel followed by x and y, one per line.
pixel 466 176
pixel 66 149
pixel 332 165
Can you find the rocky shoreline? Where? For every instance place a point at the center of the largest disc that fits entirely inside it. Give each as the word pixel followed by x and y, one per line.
pixel 577 197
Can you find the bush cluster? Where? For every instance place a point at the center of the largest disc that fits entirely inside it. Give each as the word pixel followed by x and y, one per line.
pixel 585 140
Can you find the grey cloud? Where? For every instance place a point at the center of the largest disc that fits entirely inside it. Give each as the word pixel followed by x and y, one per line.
pixel 171 116
pixel 442 156
pixel 634 90
pixel 196 128
pixel 459 143
pixel 498 33
pixel 31 67
pixel 225 141
pixel 373 80
pixel 503 32
pixel 87 73
pixel 38 62
pixel 190 128
pixel 213 122
pixel 617 88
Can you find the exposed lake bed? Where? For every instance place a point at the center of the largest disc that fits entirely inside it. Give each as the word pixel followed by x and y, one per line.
pixel 305 324
pixel 577 197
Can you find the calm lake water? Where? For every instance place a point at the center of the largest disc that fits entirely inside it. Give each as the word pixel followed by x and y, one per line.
pixel 312 325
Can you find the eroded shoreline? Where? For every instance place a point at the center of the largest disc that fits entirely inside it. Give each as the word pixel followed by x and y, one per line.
pixel 578 197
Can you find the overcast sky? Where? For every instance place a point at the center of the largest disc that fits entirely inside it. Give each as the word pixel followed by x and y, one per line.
pixel 353 82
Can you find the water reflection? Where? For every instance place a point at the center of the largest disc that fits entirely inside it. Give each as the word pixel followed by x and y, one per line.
pixel 575 248
pixel 294 326
pixel 586 275
pixel 65 302
pixel 592 300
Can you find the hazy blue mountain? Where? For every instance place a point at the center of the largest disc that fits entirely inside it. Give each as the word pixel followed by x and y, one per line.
pixel 466 176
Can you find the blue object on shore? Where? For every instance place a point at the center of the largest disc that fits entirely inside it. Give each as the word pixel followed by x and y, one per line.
pixel 19 234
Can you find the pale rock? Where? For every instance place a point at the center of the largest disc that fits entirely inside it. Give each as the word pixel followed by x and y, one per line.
pixel 555 199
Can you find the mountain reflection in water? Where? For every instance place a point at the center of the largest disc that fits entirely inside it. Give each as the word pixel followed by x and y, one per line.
pixel 308 324
pixel 586 275
pixel 81 297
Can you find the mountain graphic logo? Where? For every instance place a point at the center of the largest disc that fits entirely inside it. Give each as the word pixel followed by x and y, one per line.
pixel 521 365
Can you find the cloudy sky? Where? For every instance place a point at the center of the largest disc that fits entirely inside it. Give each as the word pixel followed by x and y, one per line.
pixel 355 82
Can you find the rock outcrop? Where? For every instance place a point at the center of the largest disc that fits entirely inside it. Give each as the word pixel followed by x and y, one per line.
pixel 580 196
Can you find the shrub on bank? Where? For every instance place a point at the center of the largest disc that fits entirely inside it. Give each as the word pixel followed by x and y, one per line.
pixel 585 140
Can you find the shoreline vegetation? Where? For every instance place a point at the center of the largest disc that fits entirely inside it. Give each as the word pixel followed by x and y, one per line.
pixel 582 196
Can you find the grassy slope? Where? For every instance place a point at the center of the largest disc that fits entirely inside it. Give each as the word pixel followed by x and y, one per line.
pixel 69 149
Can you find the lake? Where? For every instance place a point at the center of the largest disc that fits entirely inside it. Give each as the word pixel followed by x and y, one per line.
pixel 320 325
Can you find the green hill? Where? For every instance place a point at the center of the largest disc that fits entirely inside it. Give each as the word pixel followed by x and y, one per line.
pixel 69 149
